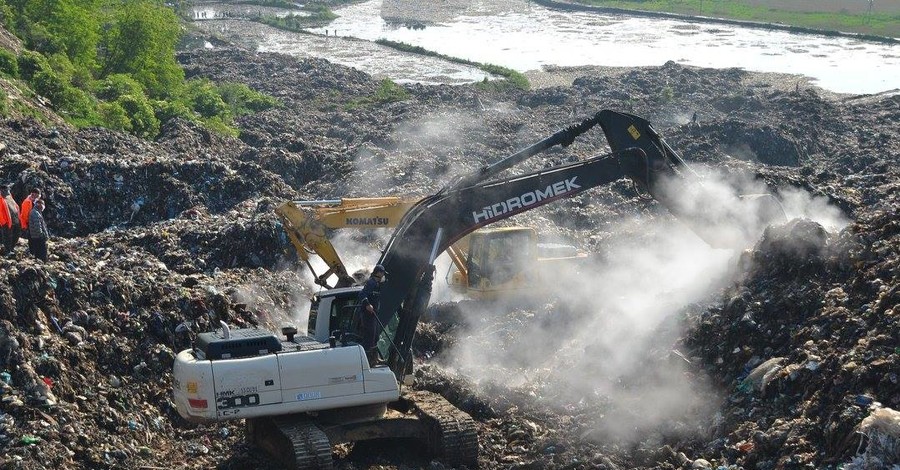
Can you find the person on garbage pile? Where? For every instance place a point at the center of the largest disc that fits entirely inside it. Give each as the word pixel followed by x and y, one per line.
pixel 37 231
pixel 27 206
pixel 13 209
pixel 5 226
pixel 369 300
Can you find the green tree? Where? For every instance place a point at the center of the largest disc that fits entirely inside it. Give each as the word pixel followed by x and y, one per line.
pixel 53 26
pixel 140 112
pixel 138 38
pixel 30 63
pixel 48 84
pixel 75 25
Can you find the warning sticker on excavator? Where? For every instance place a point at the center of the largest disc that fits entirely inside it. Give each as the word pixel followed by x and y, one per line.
pixel 192 387
pixel 634 132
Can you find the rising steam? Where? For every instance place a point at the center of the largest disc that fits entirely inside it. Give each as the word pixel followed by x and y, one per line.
pixel 601 341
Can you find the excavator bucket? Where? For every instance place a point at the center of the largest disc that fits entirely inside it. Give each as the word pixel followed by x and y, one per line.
pixel 713 210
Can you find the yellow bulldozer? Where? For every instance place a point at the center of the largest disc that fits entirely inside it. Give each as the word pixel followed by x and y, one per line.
pixel 486 264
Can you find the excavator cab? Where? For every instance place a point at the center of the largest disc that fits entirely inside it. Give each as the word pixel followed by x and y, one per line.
pixel 499 260
pixel 299 395
pixel 340 306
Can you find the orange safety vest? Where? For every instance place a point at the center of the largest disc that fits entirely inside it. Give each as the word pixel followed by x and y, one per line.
pixel 25 211
pixel 5 220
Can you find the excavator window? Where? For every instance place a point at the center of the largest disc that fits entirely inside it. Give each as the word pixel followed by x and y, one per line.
pixel 313 315
pixel 499 258
pixel 344 316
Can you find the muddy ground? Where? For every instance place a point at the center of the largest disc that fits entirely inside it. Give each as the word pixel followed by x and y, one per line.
pixel 782 359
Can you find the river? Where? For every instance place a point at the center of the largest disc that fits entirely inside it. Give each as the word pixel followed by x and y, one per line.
pixel 523 36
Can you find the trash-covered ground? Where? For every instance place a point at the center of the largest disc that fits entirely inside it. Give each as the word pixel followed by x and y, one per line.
pixel 781 357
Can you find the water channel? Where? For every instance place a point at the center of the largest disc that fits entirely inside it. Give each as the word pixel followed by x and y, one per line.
pixel 524 36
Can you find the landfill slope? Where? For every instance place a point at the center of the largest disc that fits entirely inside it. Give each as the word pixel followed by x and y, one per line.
pixel 148 236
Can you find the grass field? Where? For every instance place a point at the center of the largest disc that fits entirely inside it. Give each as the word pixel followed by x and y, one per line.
pixel 857 19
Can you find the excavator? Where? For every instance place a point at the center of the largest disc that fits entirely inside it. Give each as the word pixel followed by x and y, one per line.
pixel 486 264
pixel 300 394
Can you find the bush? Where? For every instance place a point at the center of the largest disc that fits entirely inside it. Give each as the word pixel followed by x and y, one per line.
pixel 387 92
pixel 62 66
pixel 667 94
pixel 242 100
pixel 205 99
pixel 143 120
pixel 7 17
pixel 117 85
pixel 390 92
pixel 114 116
pixel 30 63
pixel 8 64
pixel 219 126
pixel 167 110
pixel 48 84
pixel 79 107
pixel 512 80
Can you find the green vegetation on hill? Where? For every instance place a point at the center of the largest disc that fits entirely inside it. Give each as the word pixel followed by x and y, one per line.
pixel 863 22
pixel 111 63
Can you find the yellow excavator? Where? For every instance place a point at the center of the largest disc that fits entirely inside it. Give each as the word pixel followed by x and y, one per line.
pixel 301 393
pixel 487 263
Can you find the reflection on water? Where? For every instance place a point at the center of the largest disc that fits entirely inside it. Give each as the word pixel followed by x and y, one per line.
pixel 379 61
pixel 524 36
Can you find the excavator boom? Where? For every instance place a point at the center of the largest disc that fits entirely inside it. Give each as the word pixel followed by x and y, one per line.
pixel 307 229
pixel 437 221
pixel 301 394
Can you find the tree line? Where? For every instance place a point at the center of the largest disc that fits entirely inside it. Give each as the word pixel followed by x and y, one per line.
pixel 111 63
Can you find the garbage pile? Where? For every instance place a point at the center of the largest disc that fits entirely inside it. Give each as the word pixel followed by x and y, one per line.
pixel 806 344
pixel 153 242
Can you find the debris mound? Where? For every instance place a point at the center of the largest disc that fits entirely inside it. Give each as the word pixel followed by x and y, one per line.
pixel 794 361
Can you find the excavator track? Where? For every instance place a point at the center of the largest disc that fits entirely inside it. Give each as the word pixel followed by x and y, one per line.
pixel 296 441
pixel 452 436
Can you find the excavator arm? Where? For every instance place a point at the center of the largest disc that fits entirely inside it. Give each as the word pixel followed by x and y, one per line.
pixel 306 224
pixel 436 222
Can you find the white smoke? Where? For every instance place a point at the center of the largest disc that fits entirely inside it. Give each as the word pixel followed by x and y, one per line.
pixel 606 335
pixel 596 326
pixel 423 153
pixel 441 290
pixel 358 249
pixel 800 204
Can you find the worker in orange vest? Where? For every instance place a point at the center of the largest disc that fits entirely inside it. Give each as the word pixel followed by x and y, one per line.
pixel 13 209
pixel 6 226
pixel 27 205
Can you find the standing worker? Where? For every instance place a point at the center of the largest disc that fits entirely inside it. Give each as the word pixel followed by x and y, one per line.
pixel 6 226
pixel 37 231
pixel 27 206
pixel 7 200
pixel 369 300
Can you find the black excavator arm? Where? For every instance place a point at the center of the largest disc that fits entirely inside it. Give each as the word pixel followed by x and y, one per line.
pixel 437 221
